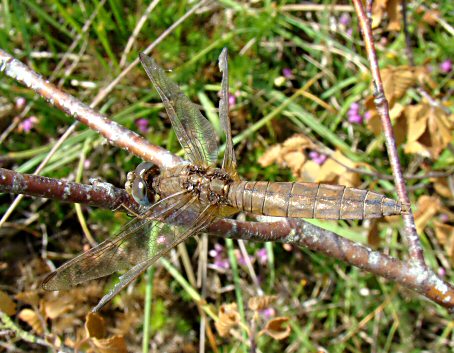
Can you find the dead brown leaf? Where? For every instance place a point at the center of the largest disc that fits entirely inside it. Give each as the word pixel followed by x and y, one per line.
pixel 261 302
pixel 33 319
pixel 429 130
pixel 114 344
pixel 445 235
pixel 95 328
pixel 277 328
pixel 426 209
pixel 28 297
pixel 7 305
pixel 95 325
pixel 387 7
pixel 228 318
pixel 442 187
pixel 397 80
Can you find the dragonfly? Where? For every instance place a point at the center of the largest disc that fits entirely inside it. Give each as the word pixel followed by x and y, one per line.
pixel 183 200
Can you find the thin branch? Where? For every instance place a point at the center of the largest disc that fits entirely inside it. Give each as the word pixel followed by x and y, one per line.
pixel 296 232
pixel 101 95
pixel 99 194
pixel 415 248
pixel 112 131
pixel 290 231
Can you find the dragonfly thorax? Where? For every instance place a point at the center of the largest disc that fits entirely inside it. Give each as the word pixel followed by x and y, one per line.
pixel 209 185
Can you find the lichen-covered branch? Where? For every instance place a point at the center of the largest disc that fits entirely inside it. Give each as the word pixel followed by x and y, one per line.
pixel 291 231
pixel 99 194
pixel 414 244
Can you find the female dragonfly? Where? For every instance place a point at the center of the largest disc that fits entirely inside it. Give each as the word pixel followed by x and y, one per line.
pixel 191 195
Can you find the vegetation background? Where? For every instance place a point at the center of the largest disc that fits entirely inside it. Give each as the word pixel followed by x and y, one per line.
pixel 301 109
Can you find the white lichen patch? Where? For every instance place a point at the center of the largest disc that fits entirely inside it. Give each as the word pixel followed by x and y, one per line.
pixel 374 258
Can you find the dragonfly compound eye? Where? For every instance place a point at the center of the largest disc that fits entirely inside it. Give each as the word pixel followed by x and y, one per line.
pixel 139 188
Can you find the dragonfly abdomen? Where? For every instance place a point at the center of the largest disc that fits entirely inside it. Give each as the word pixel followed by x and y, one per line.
pixel 310 200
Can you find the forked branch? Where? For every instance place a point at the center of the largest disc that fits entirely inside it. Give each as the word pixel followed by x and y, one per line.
pixel 297 232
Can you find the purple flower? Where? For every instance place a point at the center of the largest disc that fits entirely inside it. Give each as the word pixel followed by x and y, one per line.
pixel 441 272
pixel 354 116
pixel 220 261
pixel 28 124
pixel 446 66
pixel 232 100
pixel 287 72
pixel 142 125
pixel 242 260
pixel 345 19
pixel 268 313
pixel 20 103
pixel 317 157
pixel 262 256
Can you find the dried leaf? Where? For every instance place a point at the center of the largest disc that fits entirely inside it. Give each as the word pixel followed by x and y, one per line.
pixel 114 344
pixel 228 318
pixel 32 318
pixel 7 305
pixel 277 328
pixel 95 325
pixel 445 235
pixel 429 130
pixel 427 207
pixel 378 11
pixel 59 306
pixel 270 156
pixel 28 297
pixel 442 187
pixel 262 302
pixel 391 8
pixel 395 17
pixel 396 82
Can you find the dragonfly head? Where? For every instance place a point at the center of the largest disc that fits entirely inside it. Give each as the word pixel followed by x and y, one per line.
pixel 139 183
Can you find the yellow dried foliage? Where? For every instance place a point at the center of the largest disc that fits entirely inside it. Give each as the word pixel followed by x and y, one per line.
pixel 228 319
pixel 430 130
pixel 426 209
pixel 397 80
pixel 95 328
pixel 28 297
pixel 389 9
pixel 262 302
pixel 7 305
pixel 277 328
pixel 445 235
pixel 293 154
pixel 33 319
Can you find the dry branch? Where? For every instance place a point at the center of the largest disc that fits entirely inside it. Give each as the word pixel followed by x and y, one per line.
pixel 414 245
pixel 297 232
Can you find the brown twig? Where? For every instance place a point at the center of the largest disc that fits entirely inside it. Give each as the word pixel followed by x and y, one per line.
pixel 112 131
pixel 296 232
pixel 290 231
pixel 415 249
pixel 99 194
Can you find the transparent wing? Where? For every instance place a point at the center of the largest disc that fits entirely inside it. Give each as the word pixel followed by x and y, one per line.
pixel 229 162
pixel 132 245
pixel 173 236
pixel 194 131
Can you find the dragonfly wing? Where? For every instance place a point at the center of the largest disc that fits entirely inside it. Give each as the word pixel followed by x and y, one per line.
pixel 132 245
pixel 229 162
pixel 194 131
pixel 173 236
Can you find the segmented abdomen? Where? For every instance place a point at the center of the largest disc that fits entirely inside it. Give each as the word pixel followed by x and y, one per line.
pixel 310 200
